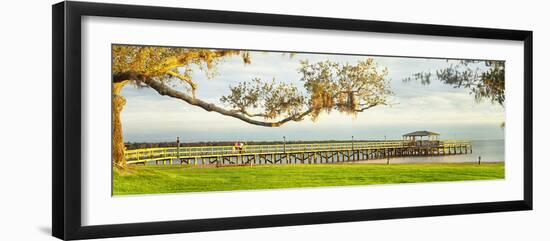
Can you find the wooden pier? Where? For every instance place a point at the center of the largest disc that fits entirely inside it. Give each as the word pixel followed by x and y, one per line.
pixel 315 153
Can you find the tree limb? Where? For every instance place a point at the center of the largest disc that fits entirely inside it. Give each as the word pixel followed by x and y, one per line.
pixel 129 75
pixel 363 106
pixel 369 106
pixel 192 84
pixel 162 89
pixel 246 113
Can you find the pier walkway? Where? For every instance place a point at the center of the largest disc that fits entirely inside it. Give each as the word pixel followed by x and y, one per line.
pixel 312 153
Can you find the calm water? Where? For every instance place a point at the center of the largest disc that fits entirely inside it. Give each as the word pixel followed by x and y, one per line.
pixel 490 151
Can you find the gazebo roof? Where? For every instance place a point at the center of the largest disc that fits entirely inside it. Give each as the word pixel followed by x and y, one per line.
pixel 422 133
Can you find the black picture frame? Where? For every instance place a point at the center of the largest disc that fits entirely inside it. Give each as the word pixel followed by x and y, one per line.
pixel 66 158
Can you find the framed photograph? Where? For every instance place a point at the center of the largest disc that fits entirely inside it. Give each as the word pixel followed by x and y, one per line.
pixel 170 120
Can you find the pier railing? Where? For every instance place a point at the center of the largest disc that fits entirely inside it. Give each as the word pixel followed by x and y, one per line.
pixel 168 153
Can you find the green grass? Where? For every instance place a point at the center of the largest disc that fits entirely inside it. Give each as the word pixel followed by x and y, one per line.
pixel 173 179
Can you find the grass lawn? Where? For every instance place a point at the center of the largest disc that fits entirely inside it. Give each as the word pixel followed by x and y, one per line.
pixel 173 179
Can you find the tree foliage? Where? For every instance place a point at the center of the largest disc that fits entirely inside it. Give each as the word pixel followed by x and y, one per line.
pixel 172 66
pixel 326 86
pixel 273 99
pixel 483 83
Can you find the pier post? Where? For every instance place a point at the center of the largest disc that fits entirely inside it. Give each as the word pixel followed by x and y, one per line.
pixel 288 160
pixel 178 148
pixel 351 143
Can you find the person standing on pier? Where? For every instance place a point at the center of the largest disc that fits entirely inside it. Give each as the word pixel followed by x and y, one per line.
pixel 238 147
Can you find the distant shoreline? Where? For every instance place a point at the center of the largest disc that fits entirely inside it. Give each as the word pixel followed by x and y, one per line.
pixel 136 145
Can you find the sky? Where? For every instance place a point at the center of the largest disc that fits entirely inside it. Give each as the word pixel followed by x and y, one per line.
pixel 452 112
